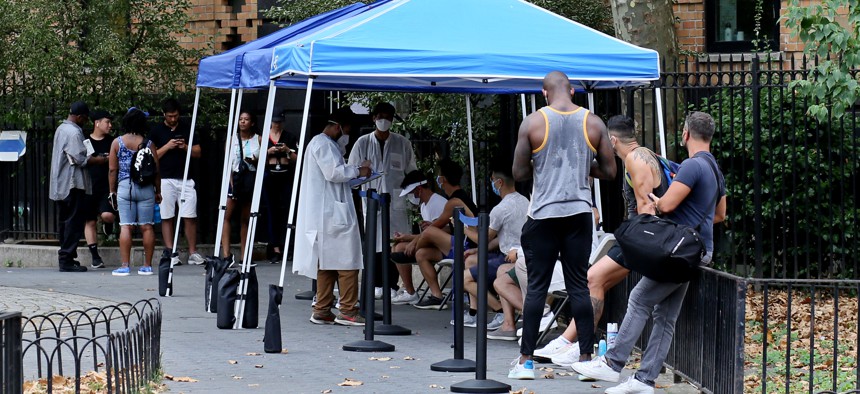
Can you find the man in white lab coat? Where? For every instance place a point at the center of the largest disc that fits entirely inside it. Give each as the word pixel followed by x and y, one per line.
pixel 392 154
pixel 328 244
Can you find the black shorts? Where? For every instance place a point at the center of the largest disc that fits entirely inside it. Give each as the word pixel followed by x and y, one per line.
pixel 615 254
pixel 96 204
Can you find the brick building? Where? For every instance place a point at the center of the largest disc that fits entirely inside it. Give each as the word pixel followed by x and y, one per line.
pixel 226 23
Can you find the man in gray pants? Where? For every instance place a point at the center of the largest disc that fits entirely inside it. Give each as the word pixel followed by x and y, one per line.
pixel 690 200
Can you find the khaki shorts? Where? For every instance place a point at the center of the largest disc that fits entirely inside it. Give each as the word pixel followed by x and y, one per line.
pixel 170 189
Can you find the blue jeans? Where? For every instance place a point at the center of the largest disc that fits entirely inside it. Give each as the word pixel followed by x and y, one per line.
pixel 136 203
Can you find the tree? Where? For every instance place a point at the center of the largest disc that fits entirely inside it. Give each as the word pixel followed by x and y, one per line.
pixel 112 54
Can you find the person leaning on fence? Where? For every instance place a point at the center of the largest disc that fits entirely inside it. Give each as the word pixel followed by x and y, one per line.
pixel 416 188
pixel 135 202
pixel 99 206
pixel 505 228
pixel 690 201
pixel 171 139
pixel 643 175
pixel 328 244
pixel 70 184
pixel 557 147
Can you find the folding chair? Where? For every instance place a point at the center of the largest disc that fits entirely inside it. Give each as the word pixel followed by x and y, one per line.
pixel 439 266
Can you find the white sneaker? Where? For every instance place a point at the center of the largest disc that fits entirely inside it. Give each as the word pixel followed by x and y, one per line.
pixel 630 386
pixel 567 357
pixel 597 369
pixel 377 293
pixel 314 301
pixel 404 298
pixel 525 371
pixel 552 348
pixel 196 259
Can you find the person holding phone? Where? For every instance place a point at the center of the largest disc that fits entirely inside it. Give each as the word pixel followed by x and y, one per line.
pixel 277 184
pixel 171 137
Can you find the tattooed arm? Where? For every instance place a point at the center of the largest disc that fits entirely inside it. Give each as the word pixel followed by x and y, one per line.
pixel 645 176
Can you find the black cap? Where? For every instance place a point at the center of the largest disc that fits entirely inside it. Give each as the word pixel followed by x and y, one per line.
pixel 79 108
pixel 412 180
pixel 100 114
pixel 342 116
pixel 278 116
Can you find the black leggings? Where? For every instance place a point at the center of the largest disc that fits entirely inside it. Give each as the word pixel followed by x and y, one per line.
pixel 542 241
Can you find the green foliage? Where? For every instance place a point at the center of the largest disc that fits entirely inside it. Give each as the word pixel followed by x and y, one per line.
pixel 111 54
pixel 831 84
pixel 807 171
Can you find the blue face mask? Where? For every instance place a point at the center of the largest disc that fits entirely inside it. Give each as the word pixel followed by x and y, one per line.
pixel 495 189
pixel 439 181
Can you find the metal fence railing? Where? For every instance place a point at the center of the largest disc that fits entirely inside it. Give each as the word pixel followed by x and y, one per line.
pixel 739 335
pixel 114 349
pixel 11 372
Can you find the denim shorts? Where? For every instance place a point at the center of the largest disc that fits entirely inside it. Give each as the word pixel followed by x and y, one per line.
pixel 136 203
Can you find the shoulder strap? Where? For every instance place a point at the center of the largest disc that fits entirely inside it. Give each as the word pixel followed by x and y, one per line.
pixel 239 141
pixel 717 194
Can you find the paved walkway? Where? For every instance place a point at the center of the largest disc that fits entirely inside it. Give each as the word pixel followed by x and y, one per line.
pixel 192 346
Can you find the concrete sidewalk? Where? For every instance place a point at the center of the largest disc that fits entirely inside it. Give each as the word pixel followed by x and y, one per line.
pixel 192 346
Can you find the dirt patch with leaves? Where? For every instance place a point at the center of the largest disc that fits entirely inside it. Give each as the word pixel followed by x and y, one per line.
pixel 799 347
pixel 91 383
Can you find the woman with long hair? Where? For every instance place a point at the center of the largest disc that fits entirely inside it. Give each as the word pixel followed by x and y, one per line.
pixel 135 202
pixel 249 152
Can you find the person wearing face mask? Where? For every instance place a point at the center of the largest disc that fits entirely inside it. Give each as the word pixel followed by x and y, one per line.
pixel 418 190
pixel 506 224
pixel 391 154
pixel 328 243
pixel 100 140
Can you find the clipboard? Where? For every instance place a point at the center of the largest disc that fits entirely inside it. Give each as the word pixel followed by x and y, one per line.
pixel 356 182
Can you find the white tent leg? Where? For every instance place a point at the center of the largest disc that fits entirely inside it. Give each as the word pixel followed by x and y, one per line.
pixel 523 104
pixel 596 181
pixel 232 126
pixel 185 173
pixel 534 103
pixel 255 208
pixel 660 124
pixel 299 153
pixel 471 149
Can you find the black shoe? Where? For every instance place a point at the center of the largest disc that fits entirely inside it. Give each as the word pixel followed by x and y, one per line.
pixel 98 263
pixel 276 259
pixel 72 268
pixel 401 258
pixel 431 302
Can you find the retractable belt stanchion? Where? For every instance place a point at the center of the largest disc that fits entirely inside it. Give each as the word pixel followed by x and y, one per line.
pixel 481 384
pixel 458 363
pixel 309 294
pixel 369 344
pixel 386 328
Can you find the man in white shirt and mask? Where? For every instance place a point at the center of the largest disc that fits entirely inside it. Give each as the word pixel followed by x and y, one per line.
pixel 328 244
pixel 391 154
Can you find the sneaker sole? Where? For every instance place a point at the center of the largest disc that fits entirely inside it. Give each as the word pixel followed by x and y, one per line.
pixel 521 377
pixel 501 338
pixel 604 377
pixel 145 273
pixel 321 322
pixel 444 306
pixel 347 323
pixel 97 267
pixel 410 302
pixel 115 274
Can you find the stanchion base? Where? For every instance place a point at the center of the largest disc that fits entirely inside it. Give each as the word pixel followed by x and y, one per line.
pixel 306 295
pixel 480 386
pixel 376 316
pixel 368 346
pixel 391 329
pixel 453 365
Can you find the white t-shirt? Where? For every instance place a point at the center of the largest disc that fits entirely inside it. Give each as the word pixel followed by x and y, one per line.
pixel 508 218
pixel 433 208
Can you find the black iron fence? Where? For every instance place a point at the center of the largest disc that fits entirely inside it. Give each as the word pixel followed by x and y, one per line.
pixel 114 349
pixel 739 335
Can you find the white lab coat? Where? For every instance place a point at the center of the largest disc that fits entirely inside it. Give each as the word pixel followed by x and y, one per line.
pixel 398 160
pixel 326 224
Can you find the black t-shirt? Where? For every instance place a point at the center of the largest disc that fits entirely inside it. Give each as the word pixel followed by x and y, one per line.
pixel 463 196
pixel 99 173
pixel 172 164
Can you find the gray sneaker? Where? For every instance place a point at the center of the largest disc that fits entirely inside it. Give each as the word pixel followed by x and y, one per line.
pixel 497 322
pixel 468 320
pixel 502 335
pixel 196 259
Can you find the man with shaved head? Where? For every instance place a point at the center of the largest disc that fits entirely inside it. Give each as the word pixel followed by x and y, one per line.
pixel 558 148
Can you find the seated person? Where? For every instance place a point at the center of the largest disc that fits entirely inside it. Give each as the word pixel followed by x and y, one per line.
pixel 435 243
pixel 506 224
pixel 415 185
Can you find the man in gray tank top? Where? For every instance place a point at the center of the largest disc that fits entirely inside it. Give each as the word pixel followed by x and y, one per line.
pixel 558 148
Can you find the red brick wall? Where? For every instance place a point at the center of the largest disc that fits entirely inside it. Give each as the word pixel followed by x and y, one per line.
pixel 217 22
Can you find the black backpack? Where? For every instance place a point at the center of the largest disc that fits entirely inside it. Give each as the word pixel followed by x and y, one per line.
pixel 142 171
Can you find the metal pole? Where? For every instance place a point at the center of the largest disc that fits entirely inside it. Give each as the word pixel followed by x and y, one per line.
pixel 523 104
pixel 661 125
pixel 597 199
pixel 471 149
pixel 386 328
pixel 756 120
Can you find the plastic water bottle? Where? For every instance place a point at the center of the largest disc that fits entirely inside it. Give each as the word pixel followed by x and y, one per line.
pixel 611 333
pixel 157 214
pixel 601 348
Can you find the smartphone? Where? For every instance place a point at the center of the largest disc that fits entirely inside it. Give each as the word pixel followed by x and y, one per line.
pixel 279 145
pixel 179 137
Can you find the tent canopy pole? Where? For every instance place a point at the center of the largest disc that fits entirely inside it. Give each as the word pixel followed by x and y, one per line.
pixel 232 125
pixel 471 148
pixel 190 147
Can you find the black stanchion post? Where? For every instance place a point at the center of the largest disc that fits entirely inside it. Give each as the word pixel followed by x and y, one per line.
pixel 386 328
pixel 458 363
pixel 481 384
pixel 308 295
pixel 369 344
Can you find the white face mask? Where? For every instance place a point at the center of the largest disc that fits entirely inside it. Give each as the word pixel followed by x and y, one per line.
pixel 383 124
pixel 414 200
pixel 343 141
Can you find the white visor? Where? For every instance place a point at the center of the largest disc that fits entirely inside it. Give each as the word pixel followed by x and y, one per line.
pixel 409 188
